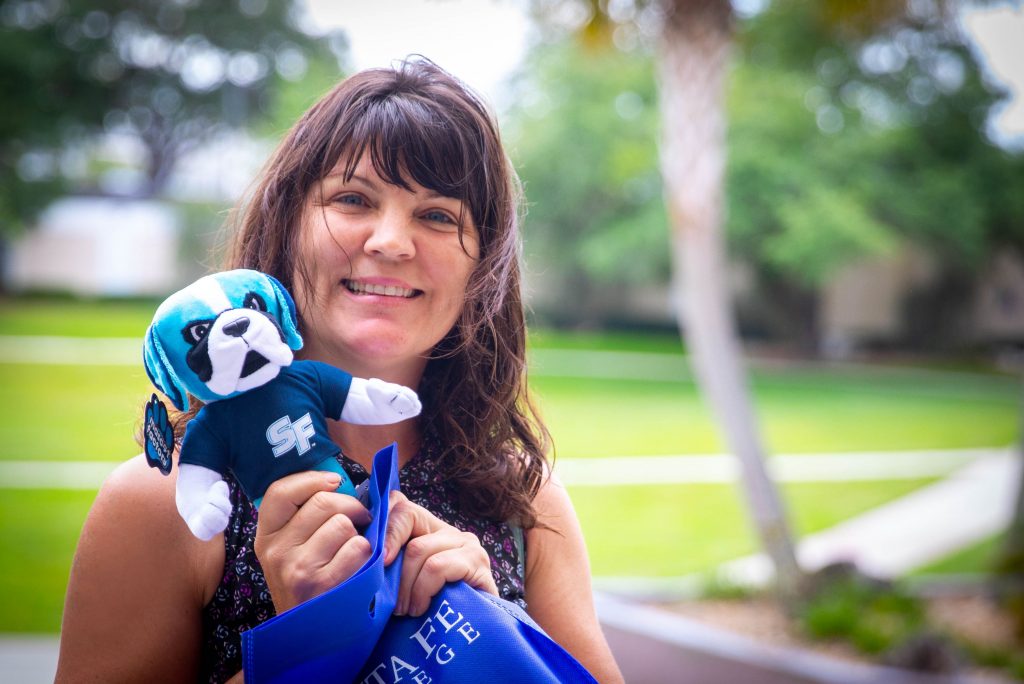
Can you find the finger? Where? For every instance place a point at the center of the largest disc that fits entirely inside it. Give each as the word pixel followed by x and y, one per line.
pixel 406 520
pixel 325 541
pixel 451 565
pixel 285 496
pixel 417 552
pixel 320 508
pixel 349 558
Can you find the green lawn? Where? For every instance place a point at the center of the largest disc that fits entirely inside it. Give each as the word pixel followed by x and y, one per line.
pixel 91 412
pixel 75 318
pixel 977 558
pixel 38 533
pixel 668 530
pixel 799 412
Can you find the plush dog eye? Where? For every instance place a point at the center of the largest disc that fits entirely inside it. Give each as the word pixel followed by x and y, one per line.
pixel 254 301
pixel 197 331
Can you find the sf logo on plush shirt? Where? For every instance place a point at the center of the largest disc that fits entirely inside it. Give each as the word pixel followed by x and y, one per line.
pixel 284 435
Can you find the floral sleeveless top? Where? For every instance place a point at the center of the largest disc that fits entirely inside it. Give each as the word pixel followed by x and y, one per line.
pixel 242 600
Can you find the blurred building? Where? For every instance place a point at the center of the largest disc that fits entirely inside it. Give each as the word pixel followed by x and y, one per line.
pixel 903 298
pixel 98 246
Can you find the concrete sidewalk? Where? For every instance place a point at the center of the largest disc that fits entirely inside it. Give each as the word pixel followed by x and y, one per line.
pixel 28 659
pixel 973 503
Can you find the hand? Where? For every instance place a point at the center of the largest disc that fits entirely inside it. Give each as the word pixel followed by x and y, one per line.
pixel 306 537
pixel 202 498
pixel 435 553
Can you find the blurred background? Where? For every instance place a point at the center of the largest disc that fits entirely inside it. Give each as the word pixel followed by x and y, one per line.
pixel 872 216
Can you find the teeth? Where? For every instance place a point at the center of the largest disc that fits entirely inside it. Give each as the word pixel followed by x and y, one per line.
pixel 386 290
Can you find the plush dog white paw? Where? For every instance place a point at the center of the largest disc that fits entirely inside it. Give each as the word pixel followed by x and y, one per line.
pixel 212 516
pixel 376 402
pixel 202 500
pixel 393 401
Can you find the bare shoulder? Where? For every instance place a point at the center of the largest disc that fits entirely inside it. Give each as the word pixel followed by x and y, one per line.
pixel 557 537
pixel 558 589
pixel 553 505
pixel 138 577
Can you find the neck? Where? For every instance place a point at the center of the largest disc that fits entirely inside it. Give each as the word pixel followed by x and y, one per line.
pixel 362 442
pixel 408 373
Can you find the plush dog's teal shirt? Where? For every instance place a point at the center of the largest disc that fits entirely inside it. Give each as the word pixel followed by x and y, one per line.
pixel 271 431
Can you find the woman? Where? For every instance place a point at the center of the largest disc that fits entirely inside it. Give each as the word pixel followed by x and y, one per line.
pixel 390 212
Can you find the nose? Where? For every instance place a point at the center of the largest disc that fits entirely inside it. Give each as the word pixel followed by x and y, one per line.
pixel 391 237
pixel 237 327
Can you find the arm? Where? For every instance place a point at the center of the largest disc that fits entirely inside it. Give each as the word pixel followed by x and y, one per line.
pixel 138 583
pixel 558 592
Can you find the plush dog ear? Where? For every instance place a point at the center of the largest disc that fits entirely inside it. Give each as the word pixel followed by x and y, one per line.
pixel 161 372
pixel 289 317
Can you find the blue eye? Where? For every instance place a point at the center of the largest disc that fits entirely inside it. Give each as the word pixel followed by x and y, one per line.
pixel 350 200
pixel 438 216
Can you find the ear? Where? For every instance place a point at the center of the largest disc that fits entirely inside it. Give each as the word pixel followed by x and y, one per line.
pixel 289 317
pixel 160 371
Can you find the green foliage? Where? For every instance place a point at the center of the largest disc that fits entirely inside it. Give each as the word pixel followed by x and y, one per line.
pixel 872 617
pixel 888 622
pixel 171 75
pixel 583 137
pixel 850 135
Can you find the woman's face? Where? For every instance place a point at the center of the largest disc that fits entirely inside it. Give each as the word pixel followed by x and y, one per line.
pixel 388 273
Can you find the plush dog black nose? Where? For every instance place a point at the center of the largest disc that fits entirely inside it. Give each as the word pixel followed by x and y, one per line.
pixel 237 327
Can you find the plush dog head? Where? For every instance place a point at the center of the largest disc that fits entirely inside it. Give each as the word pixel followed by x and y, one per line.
pixel 220 336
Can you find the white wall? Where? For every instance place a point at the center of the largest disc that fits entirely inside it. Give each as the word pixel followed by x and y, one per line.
pixel 98 247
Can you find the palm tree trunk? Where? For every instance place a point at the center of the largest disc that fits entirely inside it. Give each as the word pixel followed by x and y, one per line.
pixel 692 67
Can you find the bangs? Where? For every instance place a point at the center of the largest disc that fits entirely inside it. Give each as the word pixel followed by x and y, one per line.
pixel 411 139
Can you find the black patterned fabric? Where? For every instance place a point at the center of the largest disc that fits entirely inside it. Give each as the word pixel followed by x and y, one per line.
pixel 242 600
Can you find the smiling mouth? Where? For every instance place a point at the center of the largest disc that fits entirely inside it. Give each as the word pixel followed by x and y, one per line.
pixel 356 287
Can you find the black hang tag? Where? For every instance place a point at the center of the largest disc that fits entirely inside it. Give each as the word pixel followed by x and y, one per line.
pixel 159 436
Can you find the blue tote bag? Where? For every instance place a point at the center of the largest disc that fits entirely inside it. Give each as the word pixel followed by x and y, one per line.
pixel 349 634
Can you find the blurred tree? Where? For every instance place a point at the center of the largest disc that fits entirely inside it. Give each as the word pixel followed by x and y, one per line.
pixel 859 125
pixel 170 74
pixel 694 39
pixel 851 134
pixel 583 138
pixel 842 144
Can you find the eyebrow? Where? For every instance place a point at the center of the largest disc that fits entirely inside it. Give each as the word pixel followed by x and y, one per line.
pixel 356 177
pixel 428 194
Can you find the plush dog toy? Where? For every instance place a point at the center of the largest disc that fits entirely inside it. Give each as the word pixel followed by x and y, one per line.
pixel 227 340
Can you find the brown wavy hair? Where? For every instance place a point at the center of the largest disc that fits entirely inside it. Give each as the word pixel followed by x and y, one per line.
pixel 418 122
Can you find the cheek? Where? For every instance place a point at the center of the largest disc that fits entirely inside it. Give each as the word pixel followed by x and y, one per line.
pixel 456 278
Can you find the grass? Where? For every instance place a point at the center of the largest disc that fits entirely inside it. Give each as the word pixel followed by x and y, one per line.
pixel 91 412
pixel 38 533
pixel 70 412
pixel 977 558
pixel 667 530
pixel 75 317
pixel 798 412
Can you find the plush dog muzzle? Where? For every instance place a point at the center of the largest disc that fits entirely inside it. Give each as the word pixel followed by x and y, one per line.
pixel 241 349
